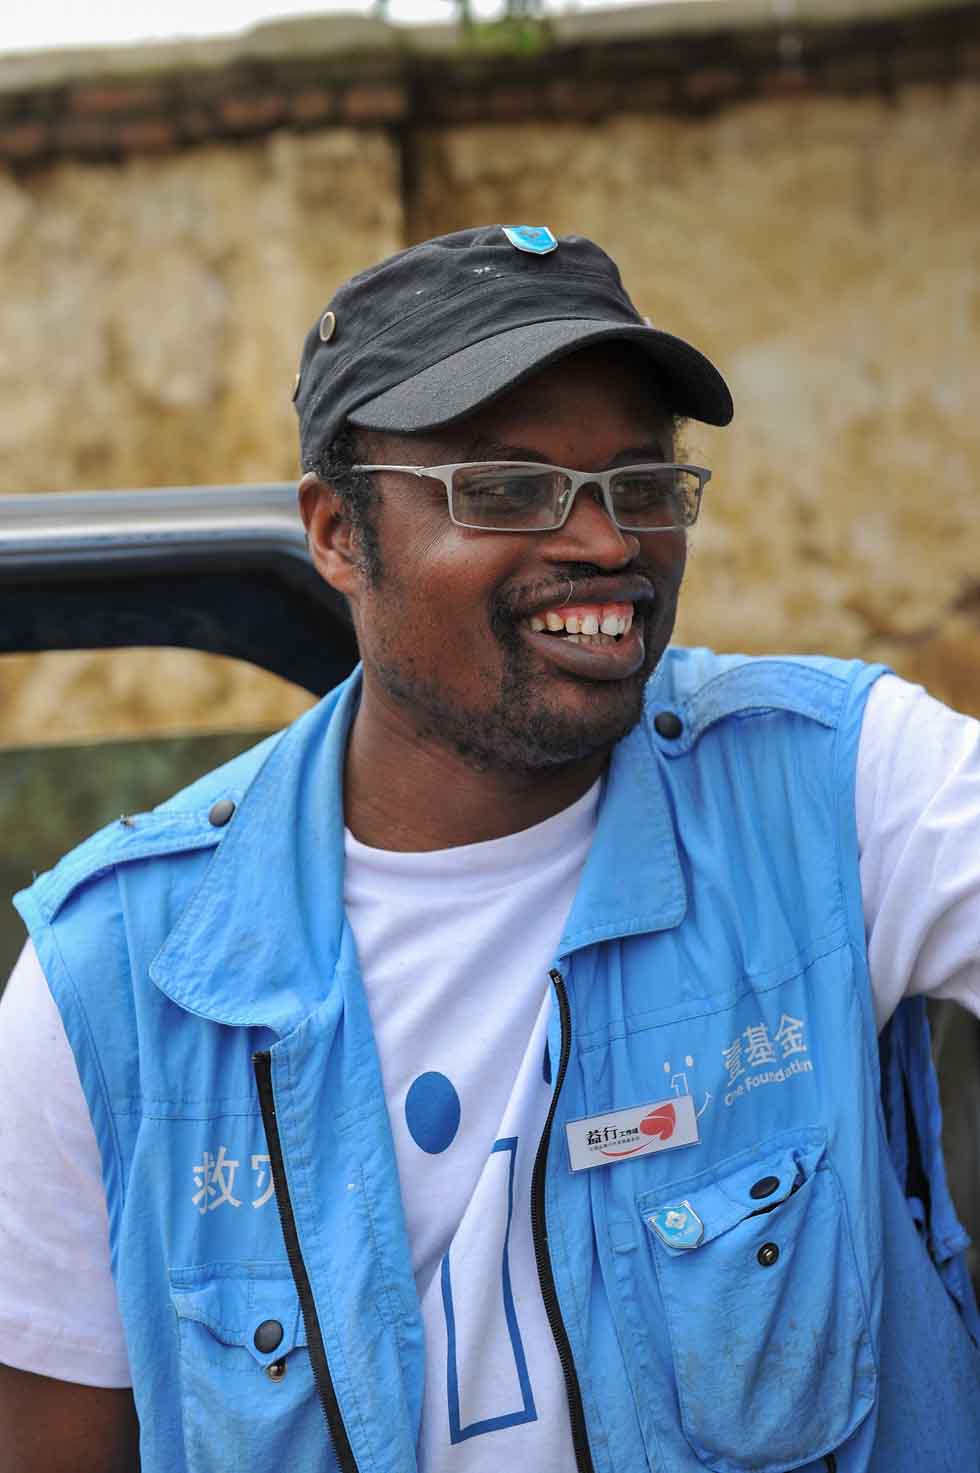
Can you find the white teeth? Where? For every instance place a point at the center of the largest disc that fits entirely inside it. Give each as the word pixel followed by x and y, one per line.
pixel 589 639
pixel 588 626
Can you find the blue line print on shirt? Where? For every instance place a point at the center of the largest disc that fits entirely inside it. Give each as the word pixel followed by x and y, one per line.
pixel 528 1412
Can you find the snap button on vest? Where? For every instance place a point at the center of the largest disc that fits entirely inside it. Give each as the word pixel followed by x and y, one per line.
pixel 276 1371
pixel 764 1187
pixel 221 812
pixel 767 1255
pixel 668 725
pixel 268 1336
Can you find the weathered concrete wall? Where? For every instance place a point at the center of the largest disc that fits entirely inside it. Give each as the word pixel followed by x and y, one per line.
pixel 150 309
pixel 820 242
pixel 151 315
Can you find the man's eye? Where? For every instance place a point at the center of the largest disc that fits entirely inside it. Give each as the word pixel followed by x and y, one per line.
pixel 510 491
pixel 644 489
pixel 516 491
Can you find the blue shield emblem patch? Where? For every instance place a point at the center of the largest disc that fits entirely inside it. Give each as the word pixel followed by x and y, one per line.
pixel 679 1227
pixel 537 240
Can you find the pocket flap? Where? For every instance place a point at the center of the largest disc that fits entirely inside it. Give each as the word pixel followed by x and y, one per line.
pixel 754 1187
pixel 254 1306
pixel 760 1290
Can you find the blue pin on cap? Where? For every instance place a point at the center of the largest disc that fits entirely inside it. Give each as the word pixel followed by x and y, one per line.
pixel 537 240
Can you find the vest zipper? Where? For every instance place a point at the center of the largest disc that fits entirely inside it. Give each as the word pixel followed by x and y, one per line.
pixel 262 1064
pixel 539 1234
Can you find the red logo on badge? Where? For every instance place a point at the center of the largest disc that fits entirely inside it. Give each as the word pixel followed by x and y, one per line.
pixel 660 1122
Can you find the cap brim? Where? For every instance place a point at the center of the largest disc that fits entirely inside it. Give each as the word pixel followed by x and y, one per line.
pixel 482 371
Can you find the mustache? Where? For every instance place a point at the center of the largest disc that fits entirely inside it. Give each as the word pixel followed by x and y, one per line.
pixel 511 606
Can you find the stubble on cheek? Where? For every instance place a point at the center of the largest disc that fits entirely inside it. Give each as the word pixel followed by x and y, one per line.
pixel 512 715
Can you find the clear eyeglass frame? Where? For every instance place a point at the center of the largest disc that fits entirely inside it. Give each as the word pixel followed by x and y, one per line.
pixel 563 496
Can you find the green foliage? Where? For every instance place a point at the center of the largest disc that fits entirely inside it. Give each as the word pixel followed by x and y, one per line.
pixel 513 34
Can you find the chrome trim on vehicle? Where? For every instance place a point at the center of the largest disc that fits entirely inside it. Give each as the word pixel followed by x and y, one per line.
pixel 223 569
pixel 71 527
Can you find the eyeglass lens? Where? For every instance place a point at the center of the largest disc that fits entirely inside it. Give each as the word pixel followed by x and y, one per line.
pixel 644 498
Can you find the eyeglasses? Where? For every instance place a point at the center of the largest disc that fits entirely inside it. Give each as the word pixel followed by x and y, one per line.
pixel 524 496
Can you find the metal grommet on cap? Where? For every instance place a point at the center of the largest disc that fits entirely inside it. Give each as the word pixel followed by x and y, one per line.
pixel 220 813
pixel 268 1336
pixel 767 1255
pixel 276 1371
pixel 764 1187
pixel 328 326
pixel 668 725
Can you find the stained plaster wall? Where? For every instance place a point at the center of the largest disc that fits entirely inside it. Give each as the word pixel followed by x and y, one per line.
pixel 821 245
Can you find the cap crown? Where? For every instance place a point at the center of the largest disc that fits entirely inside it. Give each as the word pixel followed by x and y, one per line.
pixel 418 307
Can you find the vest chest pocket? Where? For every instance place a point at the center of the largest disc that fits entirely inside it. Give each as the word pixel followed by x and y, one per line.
pixel 247 1387
pixel 768 1330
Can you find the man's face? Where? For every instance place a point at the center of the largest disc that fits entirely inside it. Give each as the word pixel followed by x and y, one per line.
pixel 445 632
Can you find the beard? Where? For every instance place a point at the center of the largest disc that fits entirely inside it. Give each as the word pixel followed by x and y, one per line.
pixel 521 725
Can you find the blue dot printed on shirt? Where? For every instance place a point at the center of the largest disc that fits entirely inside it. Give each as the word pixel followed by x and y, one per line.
pixel 432 1112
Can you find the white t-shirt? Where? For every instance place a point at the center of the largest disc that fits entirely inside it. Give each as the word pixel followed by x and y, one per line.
pixel 466 1085
pixel 456 974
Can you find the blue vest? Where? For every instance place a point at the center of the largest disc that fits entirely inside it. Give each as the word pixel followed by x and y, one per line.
pixel 787 1292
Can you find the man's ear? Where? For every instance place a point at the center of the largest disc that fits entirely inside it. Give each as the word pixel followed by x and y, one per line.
pixel 328 534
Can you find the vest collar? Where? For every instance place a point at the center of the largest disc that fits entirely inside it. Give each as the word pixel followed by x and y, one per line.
pixel 259 942
pixel 632 881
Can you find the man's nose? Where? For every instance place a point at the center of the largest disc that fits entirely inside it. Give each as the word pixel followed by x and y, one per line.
pixel 590 535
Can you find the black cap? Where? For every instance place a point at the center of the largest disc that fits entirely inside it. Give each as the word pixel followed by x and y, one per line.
pixel 436 331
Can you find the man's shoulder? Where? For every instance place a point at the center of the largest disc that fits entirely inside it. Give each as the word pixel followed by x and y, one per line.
pixel 191 820
pixel 196 819
pixel 690 670
pixel 702 687
pixel 227 782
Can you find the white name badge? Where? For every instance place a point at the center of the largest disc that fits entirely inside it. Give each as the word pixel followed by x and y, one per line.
pixel 622 1135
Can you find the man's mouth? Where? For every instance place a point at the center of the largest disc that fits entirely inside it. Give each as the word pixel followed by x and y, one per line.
pixel 588 624
pixel 594 641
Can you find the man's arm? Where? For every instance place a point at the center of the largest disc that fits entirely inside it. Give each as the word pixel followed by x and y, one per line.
pixel 59 1320
pixel 918 817
pixel 49 1426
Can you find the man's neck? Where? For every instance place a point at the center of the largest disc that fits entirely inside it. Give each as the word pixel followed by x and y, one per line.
pixel 415 794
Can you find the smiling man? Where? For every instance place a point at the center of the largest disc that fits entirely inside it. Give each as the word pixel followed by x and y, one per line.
pixel 509 665
pixel 484 1072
